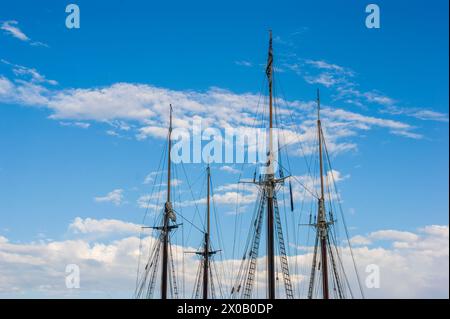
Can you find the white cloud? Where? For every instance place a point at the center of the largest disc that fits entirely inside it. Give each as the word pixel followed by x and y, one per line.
pixel 108 268
pixel 115 197
pixel 393 235
pixel 320 64
pixel 150 177
pixel 33 74
pixel 405 239
pixel 103 226
pixel 229 169
pixel 342 80
pixel 363 121
pixel 421 114
pixel 144 110
pixel 429 115
pixel 325 79
pixel 244 63
pixel 11 28
pixel 375 97
pixel 76 124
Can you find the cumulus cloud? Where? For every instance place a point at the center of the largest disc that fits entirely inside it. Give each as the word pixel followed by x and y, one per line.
pixel 142 109
pixel 102 226
pixel 108 267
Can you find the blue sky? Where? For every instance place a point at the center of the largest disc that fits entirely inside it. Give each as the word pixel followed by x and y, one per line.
pixel 55 161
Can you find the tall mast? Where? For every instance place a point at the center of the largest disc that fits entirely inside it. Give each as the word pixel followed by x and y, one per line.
pixel 270 183
pixel 167 213
pixel 322 223
pixel 206 248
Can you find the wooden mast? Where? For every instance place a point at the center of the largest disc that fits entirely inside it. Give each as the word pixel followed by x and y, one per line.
pixel 322 223
pixel 206 248
pixel 270 183
pixel 167 215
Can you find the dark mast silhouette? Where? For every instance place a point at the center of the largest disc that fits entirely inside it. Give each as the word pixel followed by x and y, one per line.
pixel 162 248
pixel 267 207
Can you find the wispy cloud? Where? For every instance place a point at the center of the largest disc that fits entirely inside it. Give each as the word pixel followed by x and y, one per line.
pixel 343 81
pixel 421 114
pixel 320 64
pixel 244 63
pixel 11 27
pixel 326 79
pixel 83 125
pixel 31 73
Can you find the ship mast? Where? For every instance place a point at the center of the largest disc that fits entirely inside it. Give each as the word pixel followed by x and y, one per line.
pixel 267 207
pixel 207 232
pixel 167 215
pixel 270 183
pixel 321 221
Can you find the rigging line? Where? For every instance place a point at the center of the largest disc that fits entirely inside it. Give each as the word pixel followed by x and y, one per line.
pixel 218 228
pixel 196 288
pixel 298 181
pixel 159 185
pixel 243 268
pixel 217 219
pixel 295 125
pixel 287 236
pixel 144 218
pixel 341 265
pixel 284 204
pixel 334 235
pixel 240 220
pixel 197 212
pixel 175 287
pixel 161 160
pixel 238 216
pixel 139 263
pixel 344 222
pixel 155 265
pixel 192 224
pixel 153 251
pixel 312 276
pixel 177 251
pixel 246 259
pixel 219 283
pixel 192 193
pixel 335 278
pixel 244 265
pixel 183 263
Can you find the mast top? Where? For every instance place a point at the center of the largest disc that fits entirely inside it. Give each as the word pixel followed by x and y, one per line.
pixel 170 117
pixel 318 104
